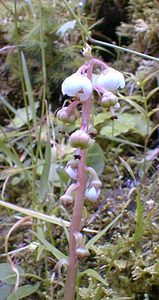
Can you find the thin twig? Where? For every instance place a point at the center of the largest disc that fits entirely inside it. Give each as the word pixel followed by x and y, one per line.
pixel 94 41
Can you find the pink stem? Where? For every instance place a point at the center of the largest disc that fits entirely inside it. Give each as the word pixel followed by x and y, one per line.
pixel 99 89
pixel 95 61
pixel 72 106
pixel 78 206
pixel 82 69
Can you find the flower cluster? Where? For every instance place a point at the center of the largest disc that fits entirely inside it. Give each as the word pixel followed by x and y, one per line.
pixel 79 88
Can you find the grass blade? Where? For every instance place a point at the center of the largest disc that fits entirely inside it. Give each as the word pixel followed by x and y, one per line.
pixel 94 274
pixel 12 155
pixel 128 168
pixel 139 222
pixel 49 247
pixel 45 173
pixel 35 214
pixel 93 240
pixel 29 92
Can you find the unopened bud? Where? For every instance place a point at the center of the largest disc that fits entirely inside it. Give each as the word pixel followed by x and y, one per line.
pixel 109 99
pixel 67 200
pixel 79 139
pixel 82 252
pixel 64 116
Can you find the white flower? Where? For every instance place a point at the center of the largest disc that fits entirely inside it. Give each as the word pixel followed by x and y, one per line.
pixel 92 194
pixel 110 79
pixel 87 51
pixel 71 168
pixel 77 85
pixel 72 172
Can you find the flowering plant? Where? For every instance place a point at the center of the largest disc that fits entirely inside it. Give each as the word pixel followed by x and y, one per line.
pixel 80 86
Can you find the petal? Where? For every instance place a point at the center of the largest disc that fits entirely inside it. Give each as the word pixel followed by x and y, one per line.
pixel 92 194
pixel 72 172
pixel 77 85
pixel 111 79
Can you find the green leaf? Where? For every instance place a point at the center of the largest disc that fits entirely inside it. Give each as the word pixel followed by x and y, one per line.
pixel 93 240
pixel 36 214
pixel 21 117
pixel 5 290
pixel 128 168
pixel 149 77
pixel 12 154
pixel 139 221
pixel 29 92
pixel 151 93
pixel 62 174
pixel 123 124
pixel 142 124
pixel 49 247
pixel 96 158
pixel 24 291
pixel 8 105
pixel 121 141
pixel 94 274
pixel 152 112
pixel 43 188
pixel 134 104
pixel 101 117
pixel 7 275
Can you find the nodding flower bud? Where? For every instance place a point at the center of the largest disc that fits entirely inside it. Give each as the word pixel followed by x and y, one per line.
pixel 80 139
pixel 82 252
pixel 71 168
pixel 77 85
pixel 66 200
pixel 64 116
pixel 109 99
pixel 110 79
pixel 96 183
pixel 92 131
